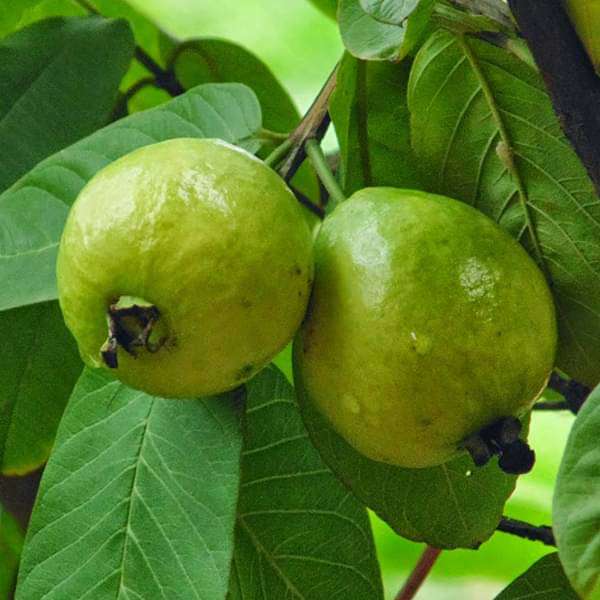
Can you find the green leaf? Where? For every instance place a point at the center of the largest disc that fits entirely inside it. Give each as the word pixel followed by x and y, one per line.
pixel 39 364
pixel 485 132
pixel 219 61
pixel 147 36
pixel 371 39
pixel 11 13
pixel 544 580
pixel 138 498
pixel 58 83
pixel 329 7
pixel 33 211
pixel 454 505
pixel 389 11
pixel 299 533
pixel 576 506
pixel 370 113
pixel 11 544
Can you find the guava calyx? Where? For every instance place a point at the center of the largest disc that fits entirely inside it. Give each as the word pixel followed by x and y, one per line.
pixel 131 326
pixel 501 438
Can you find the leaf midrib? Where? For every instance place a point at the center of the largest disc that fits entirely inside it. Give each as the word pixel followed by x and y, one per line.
pixel 510 165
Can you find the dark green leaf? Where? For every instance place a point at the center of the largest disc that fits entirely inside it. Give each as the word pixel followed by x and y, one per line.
pixel 370 113
pixel 485 132
pixel 138 499
pixel 576 507
pixel 147 36
pixel 389 11
pixel 39 364
pixel 329 7
pixel 454 505
pixel 58 83
pixel 219 61
pixel 299 534
pixel 544 580
pixel 11 543
pixel 11 13
pixel 370 39
pixel 33 211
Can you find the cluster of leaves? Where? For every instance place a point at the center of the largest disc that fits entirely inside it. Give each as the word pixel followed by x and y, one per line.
pixel 245 496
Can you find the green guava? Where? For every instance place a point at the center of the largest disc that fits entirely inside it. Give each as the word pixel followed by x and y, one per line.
pixel 186 266
pixel 427 323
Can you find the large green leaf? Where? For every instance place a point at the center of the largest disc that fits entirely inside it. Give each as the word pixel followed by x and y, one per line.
pixel 576 506
pixel 485 132
pixel 147 34
pixel 33 211
pixel 58 83
pixel 11 13
pixel 389 11
pixel 39 364
pixel 138 498
pixel 544 580
pixel 368 38
pixel 11 543
pixel 300 534
pixel 454 505
pixel 219 61
pixel 329 7
pixel 370 113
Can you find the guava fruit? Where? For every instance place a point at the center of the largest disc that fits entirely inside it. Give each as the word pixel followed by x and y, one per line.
pixel 427 324
pixel 186 266
pixel 585 17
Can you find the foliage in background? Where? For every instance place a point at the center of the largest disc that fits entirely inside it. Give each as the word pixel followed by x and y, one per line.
pixel 370 110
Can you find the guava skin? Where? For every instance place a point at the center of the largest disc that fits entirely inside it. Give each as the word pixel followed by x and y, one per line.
pixel 427 322
pixel 585 16
pixel 209 235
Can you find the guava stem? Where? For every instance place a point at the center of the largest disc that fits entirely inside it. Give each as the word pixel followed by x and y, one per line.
pixel 419 573
pixel 314 124
pixel 279 153
pixel 535 533
pixel 319 163
pixel 131 322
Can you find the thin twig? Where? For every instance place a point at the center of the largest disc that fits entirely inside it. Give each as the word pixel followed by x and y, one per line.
pixel 165 79
pixel 313 126
pixel 305 201
pixel 321 166
pixel 541 533
pixel 549 406
pixel 574 393
pixel 419 573
pixel 569 74
pixel 88 7
pixel 279 154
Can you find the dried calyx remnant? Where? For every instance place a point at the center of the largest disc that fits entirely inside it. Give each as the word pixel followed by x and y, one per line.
pixel 131 326
pixel 501 438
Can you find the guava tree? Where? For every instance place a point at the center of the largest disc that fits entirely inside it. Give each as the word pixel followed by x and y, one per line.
pixel 222 345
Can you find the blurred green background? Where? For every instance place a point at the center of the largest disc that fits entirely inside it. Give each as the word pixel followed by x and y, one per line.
pixel 301 46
